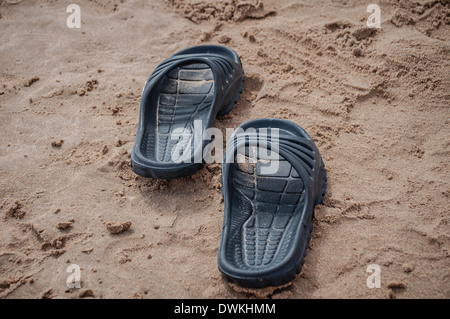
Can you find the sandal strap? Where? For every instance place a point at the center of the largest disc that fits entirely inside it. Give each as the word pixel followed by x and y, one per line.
pixel 300 152
pixel 224 69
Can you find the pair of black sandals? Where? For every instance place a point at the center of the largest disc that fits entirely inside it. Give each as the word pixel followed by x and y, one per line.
pixel 272 172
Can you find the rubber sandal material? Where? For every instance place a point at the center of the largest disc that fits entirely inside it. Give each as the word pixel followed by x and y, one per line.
pixel 268 215
pixel 193 86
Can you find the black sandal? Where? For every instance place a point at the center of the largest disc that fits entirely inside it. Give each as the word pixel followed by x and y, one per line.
pixel 198 83
pixel 268 214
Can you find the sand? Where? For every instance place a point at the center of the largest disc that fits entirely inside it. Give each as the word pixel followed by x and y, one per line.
pixel 375 102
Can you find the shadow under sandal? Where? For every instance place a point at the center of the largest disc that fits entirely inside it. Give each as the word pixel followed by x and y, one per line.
pixel 180 100
pixel 269 199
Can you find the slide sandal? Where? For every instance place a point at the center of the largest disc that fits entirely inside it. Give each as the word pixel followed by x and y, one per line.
pixel 269 199
pixel 180 100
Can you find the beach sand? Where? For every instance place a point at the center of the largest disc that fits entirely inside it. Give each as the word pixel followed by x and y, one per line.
pixel 375 101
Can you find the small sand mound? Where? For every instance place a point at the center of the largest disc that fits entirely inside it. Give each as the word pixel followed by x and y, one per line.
pixel 259 293
pixel 117 228
pixel 14 210
pixel 235 10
